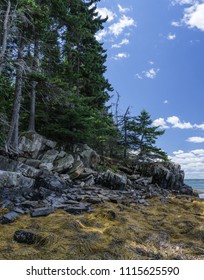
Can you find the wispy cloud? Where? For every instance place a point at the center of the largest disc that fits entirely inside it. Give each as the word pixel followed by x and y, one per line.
pixel 138 76
pixel 106 13
pixel 151 73
pixel 117 28
pixel 122 9
pixel 176 23
pixel 171 36
pixel 166 101
pixel 120 56
pixel 182 2
pixel 148 74
pixel 119 45
pixel 119 23
pixel 151 62
pixel 101 35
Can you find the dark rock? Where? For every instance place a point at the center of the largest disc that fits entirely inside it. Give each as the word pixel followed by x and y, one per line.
pixel 63 164
pixel 186 190
pixel 167 175
pixel 78 209
pixel 88 156
pixel 26 237
pixel 18 210
pixel 7 204
pixel 94 200
pixel 29 204
pixel 32 145
pixel 45 211
pixel 70 201
pixel 112 180
pixel 76 170
pixel 10 179
pixel 9 217
pixel 111 215
pixel 50 182
pixel 48 159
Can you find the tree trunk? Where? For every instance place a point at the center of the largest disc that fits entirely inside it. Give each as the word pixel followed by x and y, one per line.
pixel 12 139
pixel 31 126
pixel 5 35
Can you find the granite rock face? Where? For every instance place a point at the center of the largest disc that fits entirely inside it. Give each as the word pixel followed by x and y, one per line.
pixel 46 178
pixel 167 175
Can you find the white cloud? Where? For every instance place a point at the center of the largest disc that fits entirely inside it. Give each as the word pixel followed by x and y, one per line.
pixel 166 101
pixel 138 76
pixel 183 2
pixel 104 12
pixel 191 162
pixel 123 42
pixel 200 126
pixel 120 56
pixel 196 139
pixel 151 73
pixel 117 28
pixel 160 122
pixel 194 16
pixel 151 62
pixel 176 123
pixel 101 35
pixel 123 10
pixel 171 36
pixel 176 23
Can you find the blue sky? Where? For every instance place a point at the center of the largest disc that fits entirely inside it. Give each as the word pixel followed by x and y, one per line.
pixel 156 62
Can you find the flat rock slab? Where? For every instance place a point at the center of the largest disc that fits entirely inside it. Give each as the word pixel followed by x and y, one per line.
pixel 26 237
pixel 44 211
pixel 9 217
pixel 78 209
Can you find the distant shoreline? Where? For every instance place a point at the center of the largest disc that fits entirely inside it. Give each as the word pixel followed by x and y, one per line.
pixel 196 184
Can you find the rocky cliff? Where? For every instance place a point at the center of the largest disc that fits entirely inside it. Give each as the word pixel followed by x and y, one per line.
pixel 46 177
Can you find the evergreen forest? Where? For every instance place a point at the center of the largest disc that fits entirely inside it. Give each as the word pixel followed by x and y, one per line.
pixel 52 81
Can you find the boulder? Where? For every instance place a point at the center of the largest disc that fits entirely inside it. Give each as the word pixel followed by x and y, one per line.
pixel 26 237
pixel 15 179
pixel 51 182
pixel 76 170
pixel 78 208
pixel 7 164
pixel 62 165
pixel 48 159
pixel 88 156
pixel 44 211
pixel 112 180
pixel 33 144
pixel 9 217
pixel 167 175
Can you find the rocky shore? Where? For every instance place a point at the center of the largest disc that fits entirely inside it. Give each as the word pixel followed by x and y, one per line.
pixel 46 180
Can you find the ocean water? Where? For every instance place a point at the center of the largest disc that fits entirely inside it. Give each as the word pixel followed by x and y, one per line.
pixel 197 184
